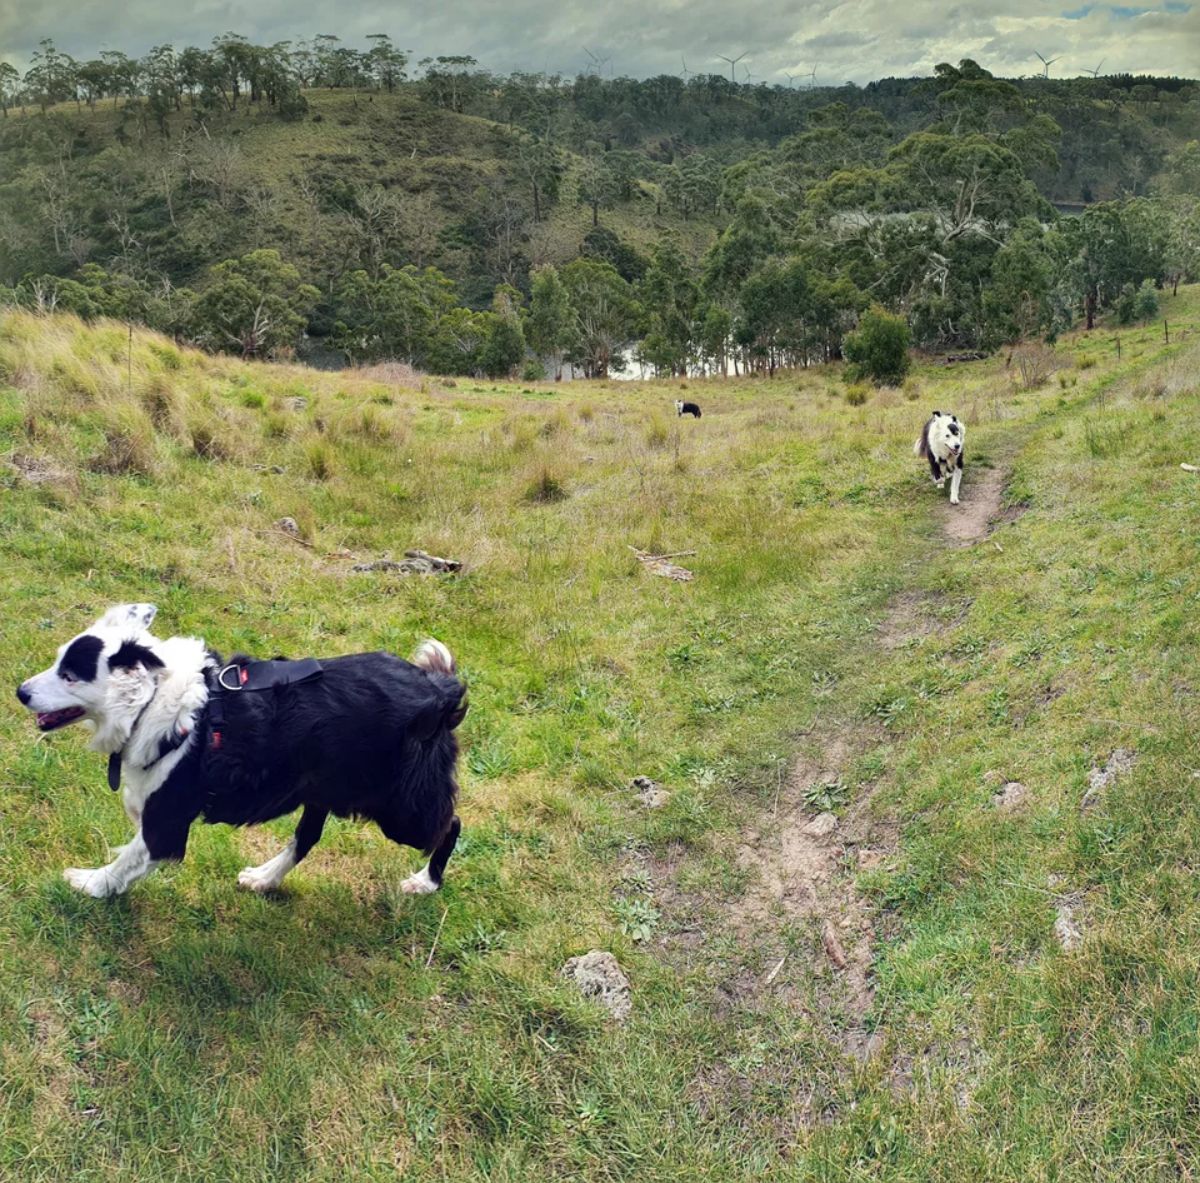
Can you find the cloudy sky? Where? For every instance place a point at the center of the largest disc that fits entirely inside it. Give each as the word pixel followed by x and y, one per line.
pixel 854 39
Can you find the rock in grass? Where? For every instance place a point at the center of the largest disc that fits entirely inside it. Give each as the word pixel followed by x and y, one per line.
pixel 598 975
pixel 822 824
pixel 288 526
pixel 1011 796
pixel 651 793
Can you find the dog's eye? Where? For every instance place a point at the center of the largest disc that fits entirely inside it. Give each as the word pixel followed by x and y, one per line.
pixel 70 679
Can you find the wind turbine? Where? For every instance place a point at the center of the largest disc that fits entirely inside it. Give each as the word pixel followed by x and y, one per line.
pixel 686 72
pixel 790 77
pixel 812 78
pixel 748 75
pixel 598 61
pixel 732 63
pixel 1046 63
pixel 1096 72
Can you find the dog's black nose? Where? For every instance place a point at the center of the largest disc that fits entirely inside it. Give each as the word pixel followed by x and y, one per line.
pixel 23 695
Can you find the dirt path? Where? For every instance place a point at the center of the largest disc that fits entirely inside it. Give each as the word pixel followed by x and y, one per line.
pixel 803 933
pixel 979 512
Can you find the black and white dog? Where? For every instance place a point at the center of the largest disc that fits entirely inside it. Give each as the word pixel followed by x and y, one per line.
pixel 941 443
pixel 190 736
pixel 682 408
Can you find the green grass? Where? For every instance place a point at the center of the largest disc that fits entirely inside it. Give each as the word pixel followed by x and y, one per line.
pixel 344 1030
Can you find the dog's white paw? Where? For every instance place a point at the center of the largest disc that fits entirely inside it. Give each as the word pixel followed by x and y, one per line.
pixel 260 879
pixel 419 884
pixel 94 882
pixel 953 500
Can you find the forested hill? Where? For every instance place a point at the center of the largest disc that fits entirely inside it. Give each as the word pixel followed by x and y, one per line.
pixel 141 188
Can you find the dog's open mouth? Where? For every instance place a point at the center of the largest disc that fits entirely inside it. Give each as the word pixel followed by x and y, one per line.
pixel 49 720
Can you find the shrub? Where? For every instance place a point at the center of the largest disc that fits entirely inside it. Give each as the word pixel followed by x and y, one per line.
pixel 533 371
pixel 1145 305
pixel 856 396
pixel 878 348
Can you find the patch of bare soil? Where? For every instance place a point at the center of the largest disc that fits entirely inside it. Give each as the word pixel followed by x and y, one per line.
pixel 980 511
pixel 913 615
pixel 801 862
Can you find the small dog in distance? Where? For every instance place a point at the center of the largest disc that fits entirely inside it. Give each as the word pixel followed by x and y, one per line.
pixel 682 408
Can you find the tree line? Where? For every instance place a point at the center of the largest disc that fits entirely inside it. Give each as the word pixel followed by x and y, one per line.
pixel 946 226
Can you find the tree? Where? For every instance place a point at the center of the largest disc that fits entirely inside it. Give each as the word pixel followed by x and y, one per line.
pixel 384 62
pixel 605 315
pixel 878 349
pixel 670 295
pixel 255 304
pixel 549 323
pixel 10 86
pixel 599 186
pixel 390 316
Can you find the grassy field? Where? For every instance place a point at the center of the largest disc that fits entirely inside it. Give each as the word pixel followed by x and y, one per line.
pixel 888 1000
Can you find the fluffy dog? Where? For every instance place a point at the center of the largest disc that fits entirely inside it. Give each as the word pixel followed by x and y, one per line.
pixel 941 443
pixel 682 408
pixel 368 736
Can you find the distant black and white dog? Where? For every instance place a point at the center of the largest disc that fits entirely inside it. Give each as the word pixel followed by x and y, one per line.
pixel 368 736
pixel 682 408
pixel 941 443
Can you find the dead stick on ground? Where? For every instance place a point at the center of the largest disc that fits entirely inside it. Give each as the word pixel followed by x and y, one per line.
pixel 772 975
pixel 273 533
pixel 436 937
pixel 676 554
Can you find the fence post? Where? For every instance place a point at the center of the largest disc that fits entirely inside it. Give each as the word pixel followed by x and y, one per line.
pixel 1166 332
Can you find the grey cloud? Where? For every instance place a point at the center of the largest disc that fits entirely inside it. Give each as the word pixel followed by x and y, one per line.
pixel 844 39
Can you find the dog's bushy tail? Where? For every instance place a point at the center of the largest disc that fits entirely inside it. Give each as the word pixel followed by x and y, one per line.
pixel 435 659
pixel 433 656
pixel 921 447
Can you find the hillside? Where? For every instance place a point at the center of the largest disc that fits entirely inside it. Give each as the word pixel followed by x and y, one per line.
pixel 175 192
pixel 885 999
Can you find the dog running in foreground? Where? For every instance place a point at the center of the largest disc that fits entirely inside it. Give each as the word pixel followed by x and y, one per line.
pixel 190 736
pixel 941 442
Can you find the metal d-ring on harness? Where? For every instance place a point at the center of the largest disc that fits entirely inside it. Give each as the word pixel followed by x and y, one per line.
pixel 251 675
pixel 229 679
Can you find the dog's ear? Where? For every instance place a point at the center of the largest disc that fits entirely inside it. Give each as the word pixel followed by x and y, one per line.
pixel 131 655
pixel 139 615
pixel 936 414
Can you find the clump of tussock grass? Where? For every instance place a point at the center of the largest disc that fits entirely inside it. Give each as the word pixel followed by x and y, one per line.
pixel 586 412
pixel 319 460
pixel 557 424
pixel 212 439
pixel 1104 440
pixel 857 395
pixel 546 488
pixel 166 355
pixel 658 433
pixel 129 444
pixel 521 432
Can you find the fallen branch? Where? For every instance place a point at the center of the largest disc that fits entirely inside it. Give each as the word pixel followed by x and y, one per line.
pixel 646 556
pixel 658 565
pixel 1190 467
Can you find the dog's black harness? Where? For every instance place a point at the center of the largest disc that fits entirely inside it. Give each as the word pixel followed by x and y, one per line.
pixel 230 679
